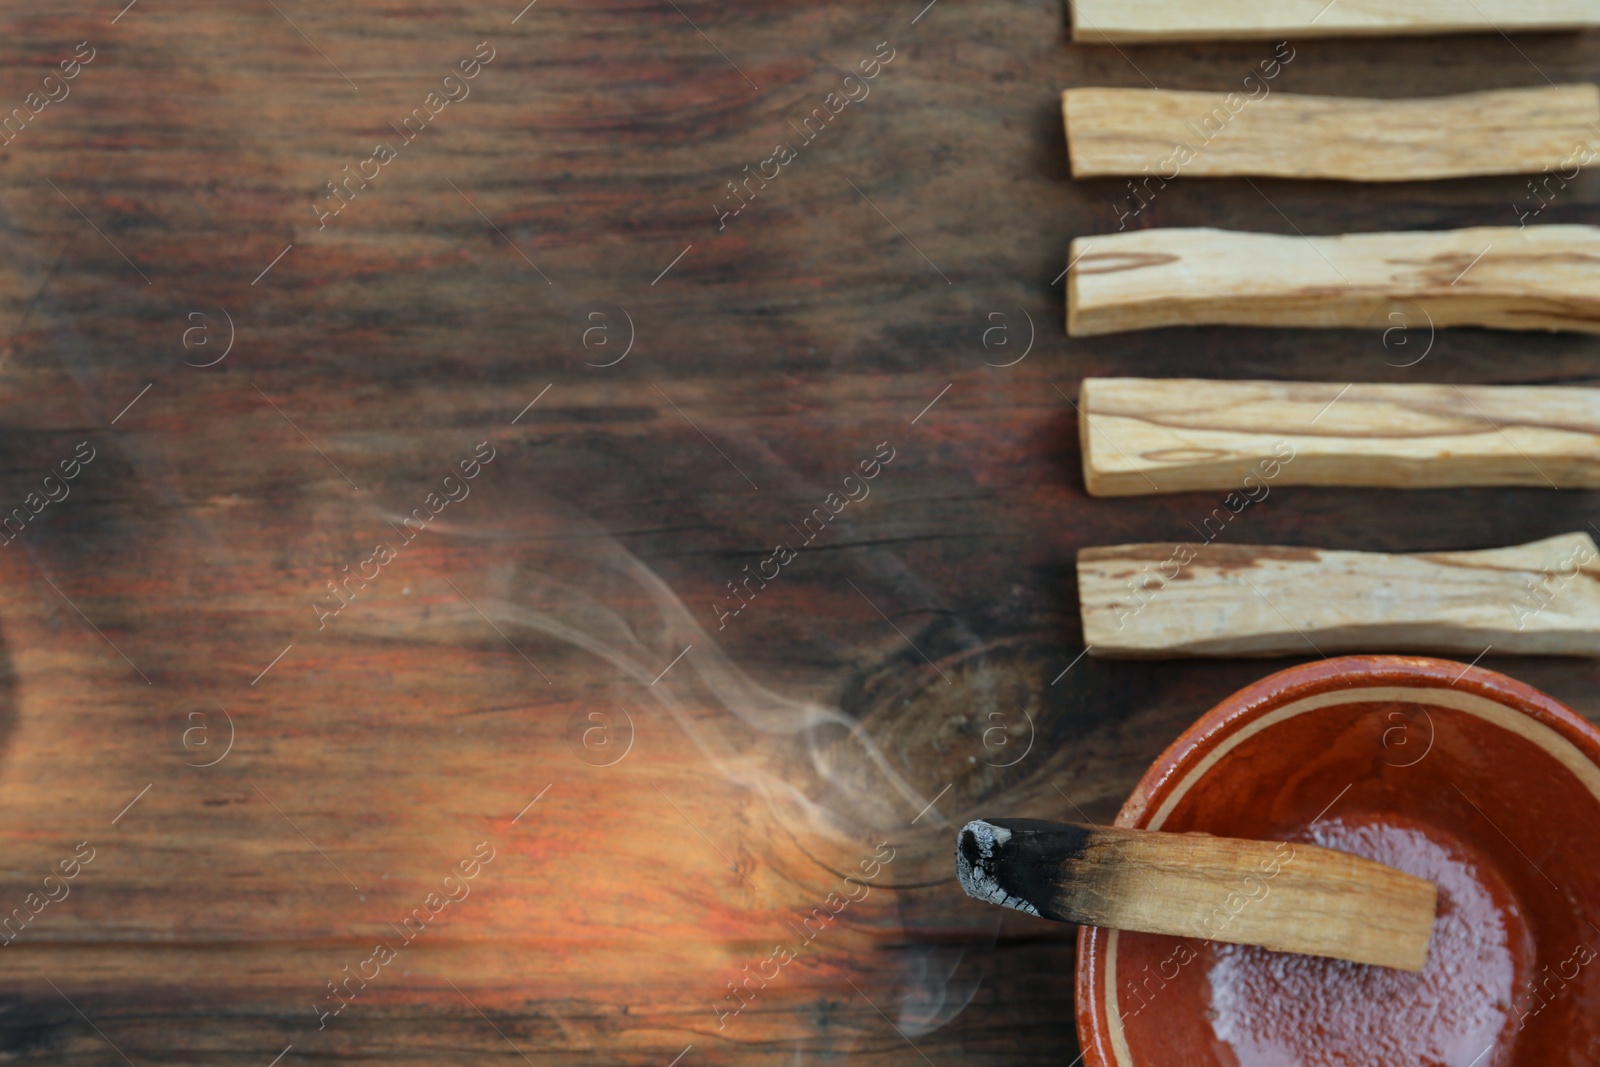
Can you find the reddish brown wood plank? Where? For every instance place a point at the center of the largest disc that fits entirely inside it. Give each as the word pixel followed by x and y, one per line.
pixel 807 331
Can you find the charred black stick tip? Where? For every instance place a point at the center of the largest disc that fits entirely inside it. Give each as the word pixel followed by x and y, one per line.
pixel 983 862
pixel 1016 863
pixel 978 861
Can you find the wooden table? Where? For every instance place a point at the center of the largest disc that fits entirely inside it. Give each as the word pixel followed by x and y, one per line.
pixel 551 238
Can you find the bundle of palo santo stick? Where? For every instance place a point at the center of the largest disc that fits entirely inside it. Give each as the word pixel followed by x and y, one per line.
pixel 1242 439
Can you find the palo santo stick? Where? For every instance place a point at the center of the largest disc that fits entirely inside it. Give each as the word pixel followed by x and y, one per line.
pixel 1143 21
pixel 1288 897
pixel 1161 134
pixel 1170 435
pixel 1535 278
pixel 1203 599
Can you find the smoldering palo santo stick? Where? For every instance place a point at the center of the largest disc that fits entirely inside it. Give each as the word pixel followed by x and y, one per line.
pixel 1288 897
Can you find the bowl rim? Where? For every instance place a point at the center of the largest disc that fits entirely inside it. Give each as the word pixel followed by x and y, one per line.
pixel 1243 708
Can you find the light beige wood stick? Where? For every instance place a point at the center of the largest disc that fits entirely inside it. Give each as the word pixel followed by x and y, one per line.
pixel 1536 277
pixel 1201 598
pixel 1284 896
pixel 1140 21
pixel 1170 435
pixel 1158 135
pixel 1533 278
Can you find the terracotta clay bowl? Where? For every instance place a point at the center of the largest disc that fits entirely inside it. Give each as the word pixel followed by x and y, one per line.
pixel 1463 776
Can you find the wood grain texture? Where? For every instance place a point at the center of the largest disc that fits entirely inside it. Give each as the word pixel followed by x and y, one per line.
pixel 1161 134
pixel 1151 435
pixel 598 142
pixel 1141 21
pixel 1529 278
pixel 1284 896
pixel 1222 599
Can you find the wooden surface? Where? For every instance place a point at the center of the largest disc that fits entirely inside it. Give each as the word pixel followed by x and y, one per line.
pixel 1158 135
pixel 1141 21
pixel 1167 435
pixel 1507 277
pixel 599 141
pixel 1205 597
pixel 1288 897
